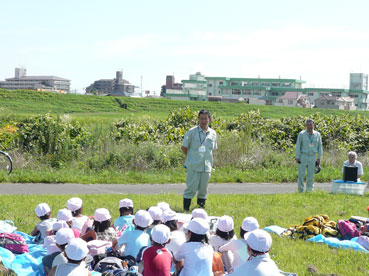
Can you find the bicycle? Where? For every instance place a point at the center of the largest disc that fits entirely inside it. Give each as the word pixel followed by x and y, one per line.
pixel 6 162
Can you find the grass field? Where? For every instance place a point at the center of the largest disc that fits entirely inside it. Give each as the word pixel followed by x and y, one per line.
pixel 102 109
pixel 283 210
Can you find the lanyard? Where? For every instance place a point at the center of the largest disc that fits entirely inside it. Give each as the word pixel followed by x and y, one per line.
pixel 206 135
pixel 311 137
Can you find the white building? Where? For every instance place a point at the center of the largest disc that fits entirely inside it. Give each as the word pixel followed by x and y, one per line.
pixel 43 83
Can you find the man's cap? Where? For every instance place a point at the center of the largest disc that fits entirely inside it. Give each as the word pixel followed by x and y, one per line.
pixel 198 226
pixel 76 249
pixel 102 214
pixel 259 240
pixel 126 203
pixel 74 204
pixel 168 215
pixel 250 224
pixel 163 206
pixel 160 234
pixel 225 224
pixel 200 213
pixel 143 219
pixel 64 235
pixel 42 209
pixel 65 214
pixel 155 212
pixel 59 225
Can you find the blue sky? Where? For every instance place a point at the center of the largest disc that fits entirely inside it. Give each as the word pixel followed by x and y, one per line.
pixel 319 41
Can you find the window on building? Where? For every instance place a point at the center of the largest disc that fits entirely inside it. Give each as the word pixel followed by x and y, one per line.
pixel 276 84
pixel 234 83
pixel 290 101
pixel 310 94
pixel 257 92
pixel 210 85
pixel 220 83
pixel 236 91
pixel 280 101
pixel 248 92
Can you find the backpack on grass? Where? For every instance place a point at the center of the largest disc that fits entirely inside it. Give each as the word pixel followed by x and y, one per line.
pixel 13 242
pixel 347 229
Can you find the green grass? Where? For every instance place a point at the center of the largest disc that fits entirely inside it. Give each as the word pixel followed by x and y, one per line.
pixel 46 174
pixel 282 210
pixel 22 103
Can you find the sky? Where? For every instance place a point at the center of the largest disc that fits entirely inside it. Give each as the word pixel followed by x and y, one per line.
pixel 321 42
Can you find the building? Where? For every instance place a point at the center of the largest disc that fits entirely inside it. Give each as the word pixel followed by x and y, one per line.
pixel 40 83
pixel 266 91
pixel 116 87
pixel 334 102
pixel 192 89
pixel 358 81
pixel 293 99
pixel 171 87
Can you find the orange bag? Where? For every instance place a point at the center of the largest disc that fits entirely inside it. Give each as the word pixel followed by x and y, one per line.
pixel 217 262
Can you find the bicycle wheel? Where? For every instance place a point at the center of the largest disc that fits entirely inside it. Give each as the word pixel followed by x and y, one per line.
pixel 6 164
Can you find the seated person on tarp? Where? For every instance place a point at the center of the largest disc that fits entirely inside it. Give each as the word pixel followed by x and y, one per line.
pixel 352 162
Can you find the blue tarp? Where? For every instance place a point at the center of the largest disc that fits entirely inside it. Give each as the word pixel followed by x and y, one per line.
pixel 332 242
pixel 27 264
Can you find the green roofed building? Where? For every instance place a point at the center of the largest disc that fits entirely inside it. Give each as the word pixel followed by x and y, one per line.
pixel 266 91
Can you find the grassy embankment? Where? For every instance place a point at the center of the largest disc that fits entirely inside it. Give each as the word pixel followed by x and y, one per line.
pixel 283 210
pixel 99 114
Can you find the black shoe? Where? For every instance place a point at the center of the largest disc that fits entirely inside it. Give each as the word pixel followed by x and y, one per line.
pixel 201 202
pixel 186 204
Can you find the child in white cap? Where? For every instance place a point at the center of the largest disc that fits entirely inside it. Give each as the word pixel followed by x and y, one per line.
pixel 177 238
pixel 101 228
pixel 224 233
pixel 197 254
pixel 43 228
pixel 138 238
pixel 75 252
pixel 155 213
pixel 74 204
pixel 157 260
pixel 63 237
pixel 125 221
pixel 239 247
pixel 259 263
pixel 65 215
pixel 52 248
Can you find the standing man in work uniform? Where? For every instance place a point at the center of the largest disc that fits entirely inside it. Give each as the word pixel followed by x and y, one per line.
pixel 198 145
pixel 308 154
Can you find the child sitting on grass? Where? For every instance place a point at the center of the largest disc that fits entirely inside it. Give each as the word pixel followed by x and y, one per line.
pixel 101 228
pixel 42 229
pixel 156 259
pixel 155 213
pixel 124 222
pixel 74 204
pixel 75 252
pixel 138 238
pixel 239 247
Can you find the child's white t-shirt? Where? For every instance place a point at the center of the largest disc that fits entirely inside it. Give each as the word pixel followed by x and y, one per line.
pixel 44 228
pixel 239 250
pixel 78 222
pixel 177 238
pixel 216 241
pixel 198 259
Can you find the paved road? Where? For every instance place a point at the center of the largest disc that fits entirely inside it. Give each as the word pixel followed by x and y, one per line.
pixel 214 188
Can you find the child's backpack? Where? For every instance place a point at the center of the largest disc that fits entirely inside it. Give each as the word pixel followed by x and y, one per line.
pixel 217 262
pixel 347 229
pixel 13 242
pixel 108 264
